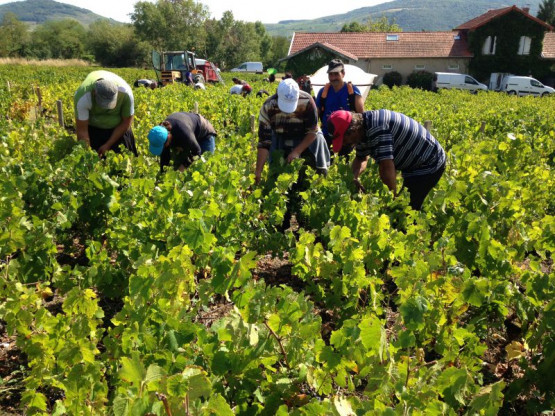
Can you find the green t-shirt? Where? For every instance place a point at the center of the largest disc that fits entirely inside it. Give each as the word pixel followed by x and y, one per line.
pixel 87 109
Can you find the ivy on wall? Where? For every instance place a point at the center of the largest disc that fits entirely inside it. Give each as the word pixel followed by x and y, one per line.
pixel 310 61
pixel 508 29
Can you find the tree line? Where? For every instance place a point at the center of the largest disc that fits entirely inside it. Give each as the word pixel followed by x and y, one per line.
pixel 164 25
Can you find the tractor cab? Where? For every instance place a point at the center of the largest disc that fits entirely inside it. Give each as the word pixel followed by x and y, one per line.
pixel 172 66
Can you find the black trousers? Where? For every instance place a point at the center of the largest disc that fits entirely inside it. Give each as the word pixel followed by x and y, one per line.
pixel 100 136
pixel 294 200
pixel 420 186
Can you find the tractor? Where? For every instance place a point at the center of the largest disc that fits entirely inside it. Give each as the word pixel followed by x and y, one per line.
pixel 171 66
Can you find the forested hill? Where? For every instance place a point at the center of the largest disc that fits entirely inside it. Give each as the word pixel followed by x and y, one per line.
pixel 39 11
pixel 411 15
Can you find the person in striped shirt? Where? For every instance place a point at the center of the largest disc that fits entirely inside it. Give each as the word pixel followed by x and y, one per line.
pixel 397 143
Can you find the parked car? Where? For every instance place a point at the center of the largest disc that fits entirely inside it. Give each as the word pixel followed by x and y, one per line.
pixel 249 67
pixel 525 86
pixel 457 81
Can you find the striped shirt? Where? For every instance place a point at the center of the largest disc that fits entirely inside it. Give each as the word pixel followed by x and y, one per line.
pixel 392 135
pixel 287 127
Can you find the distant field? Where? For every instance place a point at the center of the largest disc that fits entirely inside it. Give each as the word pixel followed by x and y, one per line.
pixel 45 62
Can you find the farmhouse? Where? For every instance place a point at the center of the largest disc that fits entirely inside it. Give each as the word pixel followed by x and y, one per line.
pixel 502 40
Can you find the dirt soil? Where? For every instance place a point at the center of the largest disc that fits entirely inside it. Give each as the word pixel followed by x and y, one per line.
pixel 12 371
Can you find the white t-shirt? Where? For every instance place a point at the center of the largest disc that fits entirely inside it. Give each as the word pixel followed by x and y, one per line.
pixel 236 89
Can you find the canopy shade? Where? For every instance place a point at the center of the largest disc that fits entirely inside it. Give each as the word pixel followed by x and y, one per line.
pixel 363 80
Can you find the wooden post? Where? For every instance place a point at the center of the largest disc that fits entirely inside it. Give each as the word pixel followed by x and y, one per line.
pixel 60 113
pixel 253 123
pixel 254 139
pixel 9 86
pixel 38 108
pixel 428 125
pixel 196 108
pixel 483 127
pixel 39 96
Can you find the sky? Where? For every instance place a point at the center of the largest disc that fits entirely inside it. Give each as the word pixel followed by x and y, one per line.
pixel 246 10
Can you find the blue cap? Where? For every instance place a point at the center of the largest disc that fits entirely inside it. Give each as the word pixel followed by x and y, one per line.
pixel 157 137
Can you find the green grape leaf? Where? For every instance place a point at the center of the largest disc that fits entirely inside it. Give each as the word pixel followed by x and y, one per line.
pixel 217 406
pixel 372 334
pixel 413 311
pixel 489 400
pixel 132 370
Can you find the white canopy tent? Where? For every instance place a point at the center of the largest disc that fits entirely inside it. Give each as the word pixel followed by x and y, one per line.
pixel 363 80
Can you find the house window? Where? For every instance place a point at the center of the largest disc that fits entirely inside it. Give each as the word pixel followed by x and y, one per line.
pixel 453 67
pixel 489 45
pixel 392 37
pixel 419 67
pixel 524 45
pixel 387 67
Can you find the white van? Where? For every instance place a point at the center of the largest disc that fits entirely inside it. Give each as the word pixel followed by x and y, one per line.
pixel 458 81
pixel 525 86
pixel 249 67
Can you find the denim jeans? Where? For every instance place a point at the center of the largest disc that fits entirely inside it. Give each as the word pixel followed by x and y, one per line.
pixel 208 144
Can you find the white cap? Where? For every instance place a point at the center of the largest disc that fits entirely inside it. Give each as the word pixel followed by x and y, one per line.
pixel 288 95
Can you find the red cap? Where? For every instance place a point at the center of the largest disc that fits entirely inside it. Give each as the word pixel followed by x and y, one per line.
pixel 338 123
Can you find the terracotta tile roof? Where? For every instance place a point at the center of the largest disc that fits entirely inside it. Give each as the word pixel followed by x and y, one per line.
pixel 548 51
pixel 375 45
pixel 493 14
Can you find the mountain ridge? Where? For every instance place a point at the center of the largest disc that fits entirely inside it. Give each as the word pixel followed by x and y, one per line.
pixel 36 12
pixel 410 15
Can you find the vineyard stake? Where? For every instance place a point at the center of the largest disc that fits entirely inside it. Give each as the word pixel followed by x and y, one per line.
pixel 428 125
pixel 253 123
pixel 186 405
pixel 196 108
pixel 60 113
pixel 9 86
pixel 483 127
pixel 39 96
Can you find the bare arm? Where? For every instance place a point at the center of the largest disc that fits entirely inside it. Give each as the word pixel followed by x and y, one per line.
pixel 83 131
pixel 358 166
pixel 359 104
pixel 388 174
pixel 116 134
pixel 261 158
pixel 302 146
